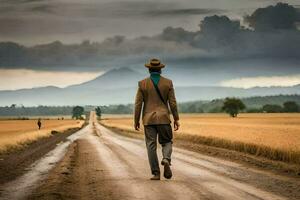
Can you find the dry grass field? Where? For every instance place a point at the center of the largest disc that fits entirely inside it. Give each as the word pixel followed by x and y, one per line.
pixel 15 133
pixel 275 136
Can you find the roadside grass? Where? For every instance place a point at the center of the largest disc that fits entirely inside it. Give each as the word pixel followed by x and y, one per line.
pixel 272 136
pixel 284 155
pixel 17 134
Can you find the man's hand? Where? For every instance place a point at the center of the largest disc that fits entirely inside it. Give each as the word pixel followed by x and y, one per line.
pixel 176 125
pixel 137 126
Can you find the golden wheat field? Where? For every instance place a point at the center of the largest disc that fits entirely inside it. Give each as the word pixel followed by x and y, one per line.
pixel 276 136
pixel 14 133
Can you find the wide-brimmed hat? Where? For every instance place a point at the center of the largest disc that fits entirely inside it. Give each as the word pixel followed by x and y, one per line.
pixel 154 64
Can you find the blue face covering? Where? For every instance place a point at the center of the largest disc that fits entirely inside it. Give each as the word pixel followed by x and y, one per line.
pixel 155 76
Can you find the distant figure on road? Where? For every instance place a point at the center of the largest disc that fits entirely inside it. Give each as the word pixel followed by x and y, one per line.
pixel 39 123
pixel 154 96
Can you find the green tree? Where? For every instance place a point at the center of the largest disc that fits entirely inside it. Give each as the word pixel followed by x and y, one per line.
pixel 232 106
pixel 77 112
pixel 98 112
pixel 272 108
pixel 290 106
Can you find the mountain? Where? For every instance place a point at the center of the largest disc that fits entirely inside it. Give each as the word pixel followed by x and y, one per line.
pixel 115 78
pixel 119 86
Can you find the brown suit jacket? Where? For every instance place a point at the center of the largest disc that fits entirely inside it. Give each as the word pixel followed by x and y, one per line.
pixel 148 101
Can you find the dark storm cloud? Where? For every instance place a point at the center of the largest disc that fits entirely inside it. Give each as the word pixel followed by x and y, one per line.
pixel 280 16
pixel 274 35
pixel 116 50
pixel 178 35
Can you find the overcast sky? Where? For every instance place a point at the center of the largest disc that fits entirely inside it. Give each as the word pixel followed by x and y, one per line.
pixel 41 21
pixel 31 22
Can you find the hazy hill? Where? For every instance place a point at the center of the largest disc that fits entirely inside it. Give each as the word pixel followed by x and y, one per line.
pixel 116 78
pixel 118 86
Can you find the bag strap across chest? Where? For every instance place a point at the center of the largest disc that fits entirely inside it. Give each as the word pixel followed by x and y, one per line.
pixel 158 92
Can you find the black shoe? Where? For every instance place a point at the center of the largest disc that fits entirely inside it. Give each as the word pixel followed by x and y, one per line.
pixel 167 169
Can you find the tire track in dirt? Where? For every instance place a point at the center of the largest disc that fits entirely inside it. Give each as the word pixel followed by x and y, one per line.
pixel 78 176
pixel 14 164
pixel 209 184
pixel 136 167
pixel 22 186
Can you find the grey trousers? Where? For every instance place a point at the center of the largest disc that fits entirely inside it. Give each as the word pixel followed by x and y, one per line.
pixel 164 134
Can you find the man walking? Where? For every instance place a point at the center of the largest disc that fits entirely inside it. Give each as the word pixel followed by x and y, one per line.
pixel 154 96
pixel 39 123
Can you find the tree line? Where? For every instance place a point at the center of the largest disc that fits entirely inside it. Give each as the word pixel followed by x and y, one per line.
pixel 269 104
pixel 15 110
pixel 233 106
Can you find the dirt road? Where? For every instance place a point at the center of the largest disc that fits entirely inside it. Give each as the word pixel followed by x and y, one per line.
pixel 96 163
